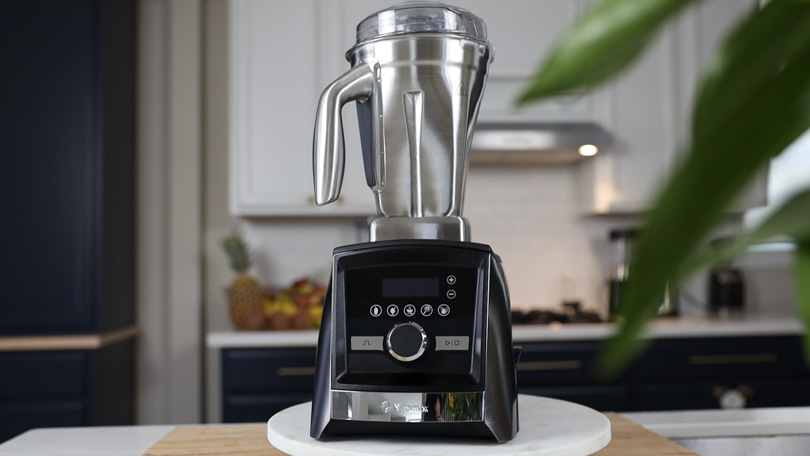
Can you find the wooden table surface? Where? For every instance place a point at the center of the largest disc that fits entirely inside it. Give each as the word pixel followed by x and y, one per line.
pixel 628 439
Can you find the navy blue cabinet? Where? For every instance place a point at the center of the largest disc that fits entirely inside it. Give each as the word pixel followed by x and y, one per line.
pixel 702 373
pixel 258 382
pixel 67 188
pixel 66 388
pixel 67 204
pixel 565 370
pixel 723 372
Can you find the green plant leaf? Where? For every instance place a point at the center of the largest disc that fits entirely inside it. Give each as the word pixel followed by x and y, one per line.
pixel 790 220
pixel 769 111
pixel 801 269
pixel 606 41
pixel 751 54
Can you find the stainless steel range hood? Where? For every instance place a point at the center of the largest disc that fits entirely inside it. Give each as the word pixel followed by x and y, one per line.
pixel 547 143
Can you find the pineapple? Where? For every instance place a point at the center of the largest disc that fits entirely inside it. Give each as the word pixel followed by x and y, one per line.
pixel 244 295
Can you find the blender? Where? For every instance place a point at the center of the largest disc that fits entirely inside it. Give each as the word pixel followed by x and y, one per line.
pixel 416 334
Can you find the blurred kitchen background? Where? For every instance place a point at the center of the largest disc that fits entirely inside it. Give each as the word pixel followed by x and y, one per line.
pixel 223 96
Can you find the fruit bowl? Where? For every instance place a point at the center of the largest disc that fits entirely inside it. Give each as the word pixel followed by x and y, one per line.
pixel 298 306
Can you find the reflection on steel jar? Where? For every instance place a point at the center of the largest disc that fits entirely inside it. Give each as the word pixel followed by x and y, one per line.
pixel 461 407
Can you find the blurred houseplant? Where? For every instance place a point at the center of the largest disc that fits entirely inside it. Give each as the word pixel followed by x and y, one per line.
pixel 753 102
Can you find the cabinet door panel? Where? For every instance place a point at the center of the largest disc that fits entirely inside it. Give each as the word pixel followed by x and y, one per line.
pixel 275 81
pixel 602 398
pixel 649 113
pixel 25 375
pixel 48 170
pixel 265 371
pixel 644 125
pixel 522 32
pixel 710 358
pixel 253 409
pixel 19 416
pixel 556 363
pixel 273 90
pixel 708 395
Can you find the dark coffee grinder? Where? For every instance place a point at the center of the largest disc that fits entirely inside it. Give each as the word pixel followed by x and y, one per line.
pixel 726 293
pixel 416 335
pixel 622 245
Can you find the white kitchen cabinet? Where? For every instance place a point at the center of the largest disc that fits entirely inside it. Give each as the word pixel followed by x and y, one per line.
pixel 283 53
pixel 276 62
pixel 649 111
pixel 644 122
pixel 701 31
pixel 523 31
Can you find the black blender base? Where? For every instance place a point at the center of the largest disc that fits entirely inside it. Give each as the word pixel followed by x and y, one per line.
pixel 491 356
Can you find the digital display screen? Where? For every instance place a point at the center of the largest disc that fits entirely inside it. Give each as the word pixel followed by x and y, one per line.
pixel 410 288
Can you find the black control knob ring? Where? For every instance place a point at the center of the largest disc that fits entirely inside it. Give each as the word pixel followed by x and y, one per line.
pixel 406 341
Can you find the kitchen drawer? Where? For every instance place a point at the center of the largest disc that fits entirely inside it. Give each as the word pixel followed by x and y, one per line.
pixel 713 358
pixel 271 370
pixel 556 363
pixel 602 398
pixel 707 395
pixel 259 408
pixel 17 417
pixel 40 375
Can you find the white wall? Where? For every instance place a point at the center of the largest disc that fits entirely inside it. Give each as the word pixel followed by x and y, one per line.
pixel 169 206
pixel 528 215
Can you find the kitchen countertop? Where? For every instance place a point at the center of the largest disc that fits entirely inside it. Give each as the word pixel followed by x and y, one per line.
pixel 628 439
pixel 85 441
pixel 691 424
pixel 665 328
pixel 703 427
pixel 69 341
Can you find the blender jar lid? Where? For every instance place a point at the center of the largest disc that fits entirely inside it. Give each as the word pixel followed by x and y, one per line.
pixel 422 17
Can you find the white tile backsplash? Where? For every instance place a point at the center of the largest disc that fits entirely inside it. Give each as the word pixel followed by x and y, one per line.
pixel 289 249
pixel 530 217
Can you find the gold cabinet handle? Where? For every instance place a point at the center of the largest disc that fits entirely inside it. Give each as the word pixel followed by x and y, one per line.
pixel 295 371
pixel 537 366
pixel 714 360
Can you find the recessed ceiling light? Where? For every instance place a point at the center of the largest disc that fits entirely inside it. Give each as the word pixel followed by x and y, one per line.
pixel 588 150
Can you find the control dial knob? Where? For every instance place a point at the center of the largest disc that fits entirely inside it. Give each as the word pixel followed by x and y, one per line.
pixel 406 341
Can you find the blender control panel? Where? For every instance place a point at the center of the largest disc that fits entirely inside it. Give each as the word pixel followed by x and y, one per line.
pixel 412 318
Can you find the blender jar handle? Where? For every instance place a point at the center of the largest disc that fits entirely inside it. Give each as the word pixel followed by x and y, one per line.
pixel 328 155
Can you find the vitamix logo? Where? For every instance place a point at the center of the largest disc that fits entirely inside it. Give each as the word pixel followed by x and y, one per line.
pixel 387 407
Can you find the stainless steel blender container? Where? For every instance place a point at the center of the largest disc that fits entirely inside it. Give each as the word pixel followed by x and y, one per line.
pixel 416 334
pixel 418 73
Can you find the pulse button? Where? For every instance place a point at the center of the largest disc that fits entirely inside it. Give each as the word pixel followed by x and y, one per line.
pixel 406 341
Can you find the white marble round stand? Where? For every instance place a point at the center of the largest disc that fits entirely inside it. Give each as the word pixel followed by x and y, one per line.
pixel 547 427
